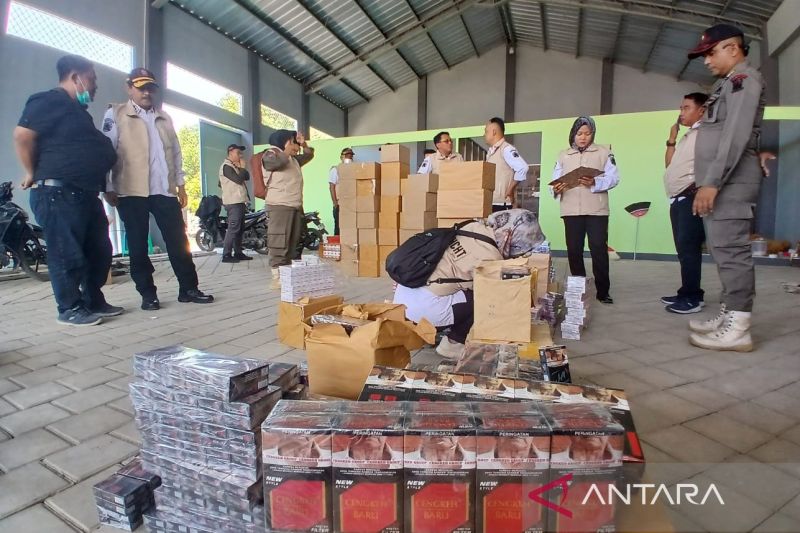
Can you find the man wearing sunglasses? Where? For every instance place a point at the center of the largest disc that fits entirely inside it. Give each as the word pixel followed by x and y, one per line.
pixel 444 152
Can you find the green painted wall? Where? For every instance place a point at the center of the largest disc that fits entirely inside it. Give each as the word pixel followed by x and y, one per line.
pixel 637 140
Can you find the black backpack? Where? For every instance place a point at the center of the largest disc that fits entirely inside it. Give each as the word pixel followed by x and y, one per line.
pixel 415 260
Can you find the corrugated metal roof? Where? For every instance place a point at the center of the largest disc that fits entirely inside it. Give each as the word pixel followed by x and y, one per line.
pixel 378 45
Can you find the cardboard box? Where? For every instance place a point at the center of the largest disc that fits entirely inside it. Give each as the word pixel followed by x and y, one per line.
pixel 405 234
pixel 368 220
pixel 291 317
pixel 466 175
pixel 394 172
pixel 417 220
pixel 347 218
pixel 391 187
pixel 368 204
pixel 420 183
pixel 383 252
pixel 387 220
pixel 390 204
pixel 441 222
pixel 542 264
pixel 359 171
pixel 419 201
pixel 346 189
pixel 339 364
pixel 349 268
pixel 347 204
pixel 503 306
pixel 391 153
pixel 368 261
pixel 474 203
pixel 348 235
pixel 367 237
pixel 388 237
pixel 368 187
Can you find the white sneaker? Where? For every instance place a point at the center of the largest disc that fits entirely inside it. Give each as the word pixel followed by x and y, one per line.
pixel 449 349
pixel 733 335
pixel 711 325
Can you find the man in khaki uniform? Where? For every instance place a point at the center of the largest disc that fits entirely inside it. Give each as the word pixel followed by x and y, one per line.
pixel 728 174
pixel 233 177
pixel 444 152
pixel 346 156
pixel 510 168
pixel 283 180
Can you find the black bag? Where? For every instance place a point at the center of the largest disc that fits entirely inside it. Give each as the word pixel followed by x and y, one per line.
pixel 415 260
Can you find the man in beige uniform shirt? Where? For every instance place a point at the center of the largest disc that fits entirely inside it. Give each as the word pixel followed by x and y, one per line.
pixel 444 152
pixel 510 168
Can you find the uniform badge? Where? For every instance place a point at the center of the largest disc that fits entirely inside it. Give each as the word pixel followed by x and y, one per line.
pixel 611 158
pixel 737 82
pixel 108 124
pixel 514 153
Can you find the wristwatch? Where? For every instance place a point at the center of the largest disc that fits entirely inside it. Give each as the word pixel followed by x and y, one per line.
pixel 671 143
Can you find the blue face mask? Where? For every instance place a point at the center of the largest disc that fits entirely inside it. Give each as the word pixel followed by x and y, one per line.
pixel 83 96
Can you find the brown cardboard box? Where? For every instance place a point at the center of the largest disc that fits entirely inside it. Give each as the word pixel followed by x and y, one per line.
pixel 464 203
pixel 541 262
pixel 387 237
pixel 405 234
pixel 502 306
pixel 419 201
pixel 418 220
pixel 383 252
pixel 420 183
pixel 367 236
pixel 367 220
pixel 368 269
pixel 359 171
pixel 349 266
pixel 346 189
pixel 390 204
pixel 391 153
pixel 387 220
pixel 368 257
pixel 347 204
pixel 368 187
pixel 391 187
pixel 460 176
pixel 292 315
pixel 348 236
pixel 442 222
pixel 394 171
pixel 347 218
pixel 368 204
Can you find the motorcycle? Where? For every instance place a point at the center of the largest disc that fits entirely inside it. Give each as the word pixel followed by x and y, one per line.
pixel 22 244
pixel 312 236
pixel 213 227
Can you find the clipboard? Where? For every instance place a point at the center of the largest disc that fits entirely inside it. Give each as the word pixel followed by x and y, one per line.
pixel 571 179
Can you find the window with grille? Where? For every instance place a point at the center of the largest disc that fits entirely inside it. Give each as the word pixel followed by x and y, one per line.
pixel 185 82
pixel 277 120
pixel 314 134
pixel 50 30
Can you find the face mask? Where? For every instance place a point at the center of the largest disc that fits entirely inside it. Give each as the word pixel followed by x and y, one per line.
pixel 347 160
pixel 83 96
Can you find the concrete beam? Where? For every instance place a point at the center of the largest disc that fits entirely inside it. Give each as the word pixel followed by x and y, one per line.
pixel 422 114
pixel 509 107
pixel 767 207
pixel 783 27
pixel 607 87
pixel 254 98
pixel 304 123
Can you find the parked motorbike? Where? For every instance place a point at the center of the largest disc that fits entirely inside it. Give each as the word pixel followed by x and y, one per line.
pixel 22 244
pixel 312 236
pixel 213 227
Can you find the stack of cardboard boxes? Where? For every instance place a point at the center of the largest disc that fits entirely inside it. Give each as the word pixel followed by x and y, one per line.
pixel 419 204
pixel 395 166
pixel 359 202
pixel 465 191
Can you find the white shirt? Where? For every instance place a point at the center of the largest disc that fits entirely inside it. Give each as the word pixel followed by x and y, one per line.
pixel 513 159
pixel 159 172
pixel 333 176
pixel 427 164
pixel 422 303
pixel 604 182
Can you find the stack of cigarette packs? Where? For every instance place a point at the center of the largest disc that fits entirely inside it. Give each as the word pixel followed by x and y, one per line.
pixel 577 297
pixel 199 415
pixel 501 360
pixel 302 279
pixel 426 467
pixel 123 498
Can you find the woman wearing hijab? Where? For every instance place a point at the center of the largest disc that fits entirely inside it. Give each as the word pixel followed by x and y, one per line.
pixel 584 207
pixel 283 180
pixel 516 232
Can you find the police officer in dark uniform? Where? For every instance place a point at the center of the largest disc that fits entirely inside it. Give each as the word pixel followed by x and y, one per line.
pixel 728 174
pixel 66 160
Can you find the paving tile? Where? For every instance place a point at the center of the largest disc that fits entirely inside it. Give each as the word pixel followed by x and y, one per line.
pixel 739 512
pixel 729 432
pixel 792 509
pixel 6 408
pixel 38 377
pixel 36 417
pixel 129 432
pixel 781 454
pixel 702 395
pixel 6 386
pixel 687 445
pixel 750 383
pixel 42 361
pixel 123 405
pixel 85 363
pixel 11 357
pixel 77 402
pixel 88 424
pixel 792 435
pixel 12 369
pixel 123 367
pixel 657 377
pixel 670 407
pixel 778 523
pixel 22 399
pixel 89 378
pixel 762 482
pixel 29 447
pixel 35 518
pixel 785 404
pixel 76 504
pixel 759 417
pixel 90 457
pixel 26 486
pixel 121 383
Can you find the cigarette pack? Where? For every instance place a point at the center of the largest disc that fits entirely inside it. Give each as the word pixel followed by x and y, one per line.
pixel 385 384
pixel 283 375
pixel 135 469
pixel 432 386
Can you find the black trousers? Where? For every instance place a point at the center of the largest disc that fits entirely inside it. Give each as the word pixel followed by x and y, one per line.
pixel 576 229
pixel 689 235
pixel 135 214
pixel 497 208
pixel 463 318
pixel 336 220
pixel 233 237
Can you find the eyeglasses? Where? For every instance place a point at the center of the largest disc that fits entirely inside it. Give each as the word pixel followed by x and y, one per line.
pixel 348 154
pixel 446 141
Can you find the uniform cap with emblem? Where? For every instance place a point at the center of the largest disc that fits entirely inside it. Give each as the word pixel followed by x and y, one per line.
pixel 141 77
pixel 714 35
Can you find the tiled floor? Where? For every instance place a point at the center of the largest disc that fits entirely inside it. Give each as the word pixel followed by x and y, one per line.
pixel 730 419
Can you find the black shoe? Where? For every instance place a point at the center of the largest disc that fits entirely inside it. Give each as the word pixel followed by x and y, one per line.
pixel 150 304
pixel 242 257
pixel 229 259
pixel 606 300
pixel 79 316
pixel 685 307
pixel 669 300
pixel 195 296
pixel 107 310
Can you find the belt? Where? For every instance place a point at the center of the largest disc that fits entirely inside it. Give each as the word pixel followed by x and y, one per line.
pixel 50 183
pixel 688 191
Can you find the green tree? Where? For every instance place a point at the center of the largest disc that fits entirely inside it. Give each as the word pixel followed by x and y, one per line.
pixel 276 120
pixel 231 102
pixel 189 139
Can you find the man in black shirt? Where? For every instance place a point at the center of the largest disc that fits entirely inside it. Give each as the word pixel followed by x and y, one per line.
pixel 66 160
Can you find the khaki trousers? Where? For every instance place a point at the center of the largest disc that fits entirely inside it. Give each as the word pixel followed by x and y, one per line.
pixel 284 231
